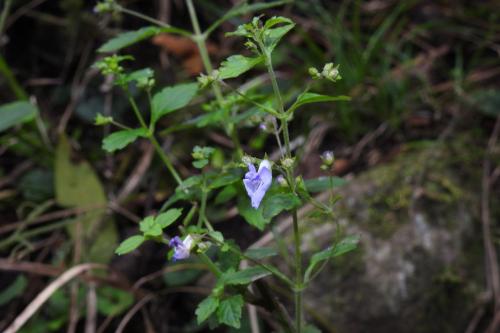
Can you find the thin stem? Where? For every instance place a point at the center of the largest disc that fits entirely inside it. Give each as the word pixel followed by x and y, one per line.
pixel 165 159
pixel 203 205
pixel 11 80
pixel 200 40
pixel 298 274
pixel 136 110
pixel 299 284
pixel 210 264
pixel 248 99
pixel 274 82
pixel 153 140
pixel 3 16
pixel 155 22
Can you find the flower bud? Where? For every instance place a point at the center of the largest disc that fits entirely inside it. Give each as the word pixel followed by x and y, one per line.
pixel 288 162
pixel 314 73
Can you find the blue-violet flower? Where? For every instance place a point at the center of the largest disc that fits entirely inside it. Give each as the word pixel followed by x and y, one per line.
pixel 258 182
pixel 181 247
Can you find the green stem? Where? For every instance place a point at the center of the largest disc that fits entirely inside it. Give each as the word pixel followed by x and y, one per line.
pixel 210 264
pixel 274 81
pixel 299 284
pixel 165 159
pixel 3 16
pixel 11 80
pixel 248 99
pixel 152 139
pixel 203 205
pixel 170 28
pixel 200 40
pixel 298 274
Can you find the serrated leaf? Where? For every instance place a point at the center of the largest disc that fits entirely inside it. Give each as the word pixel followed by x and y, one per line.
pixel 229 311
pixel 321 184
pixel 308 98
pixel 260 253
pixel 15 113
pixel 244 276
pixel 128 38
pixel 206 308
pixel 236 65
pixel 169 217
pixel 348 244
pixel 120 139
pixel 149 227
pixel 129 244
pixel 276 203
pixel 171 99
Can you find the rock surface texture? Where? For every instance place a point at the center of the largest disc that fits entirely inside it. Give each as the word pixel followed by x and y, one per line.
pixel 419 266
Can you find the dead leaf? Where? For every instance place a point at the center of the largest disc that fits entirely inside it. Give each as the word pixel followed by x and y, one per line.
pixel 185 49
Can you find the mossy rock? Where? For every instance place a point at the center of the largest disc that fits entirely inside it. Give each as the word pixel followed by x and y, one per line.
pixel 419 267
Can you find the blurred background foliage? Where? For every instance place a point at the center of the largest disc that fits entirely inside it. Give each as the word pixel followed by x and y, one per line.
pixel 422 75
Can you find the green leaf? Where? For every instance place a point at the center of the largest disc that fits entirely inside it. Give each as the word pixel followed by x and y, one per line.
pixel 16 113
pixel 308 98
pixel 120 139
pixel 236 65
pixel 229 311
pixel 77 185
pixel 251 215
pixel 260 253
pixel 272 36
pixel 150 228
pixel 128 38
pixel 15 289
pixel 226 178
pixel 171 99
pixel 226 194
pixel 199 164
pixel 112 301
pixel 206 308
pixel 217 235
pixel 348 244
pixel 169 217
pixel 245 8
pixel 139 76
pixel 275 204
pixel 129 244
pixel 321 184
pixel 244 276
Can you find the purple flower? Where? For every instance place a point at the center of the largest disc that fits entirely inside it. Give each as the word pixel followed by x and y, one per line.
pixel 181 247
pixel 258 182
